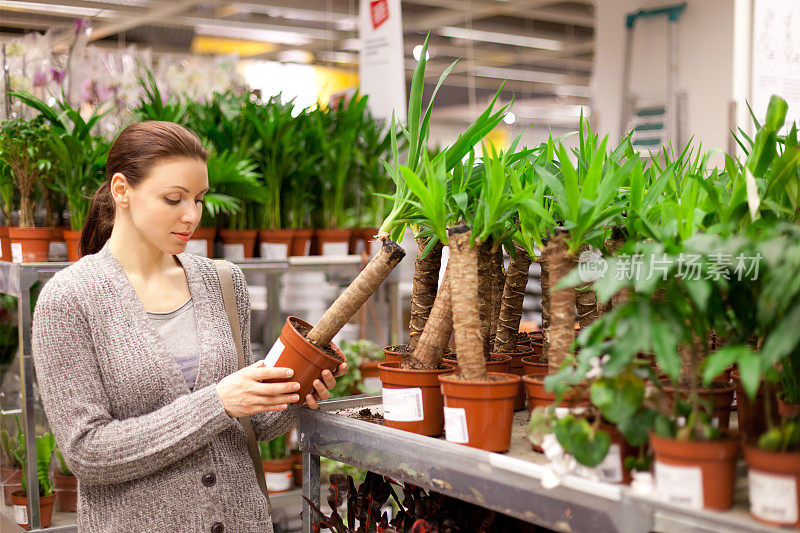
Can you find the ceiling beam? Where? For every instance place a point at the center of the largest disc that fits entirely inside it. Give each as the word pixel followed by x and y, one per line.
pixel 168 10
pixel 447 17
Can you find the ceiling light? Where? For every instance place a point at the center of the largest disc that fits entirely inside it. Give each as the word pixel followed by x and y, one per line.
pixel 295 56
pixel 522 75
pixel 501 38
pixel 510 118
pixel 267 36
pixel 13 5
pixel 417 53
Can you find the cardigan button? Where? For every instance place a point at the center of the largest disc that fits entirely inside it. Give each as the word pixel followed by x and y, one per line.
pixel 209 479
pixel 217 528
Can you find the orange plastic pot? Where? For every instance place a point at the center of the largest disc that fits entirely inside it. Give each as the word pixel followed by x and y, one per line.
pixel 720 396
pixel 480 413
pixel 278 243
pixel 45 509
pixel 532 367
pixel 752 414
pixel 5 247
pixel 418 407
pixel 30 245
pixel 301 242
pixel 239 241
pixel 292 350
pixel 66 486
pixel 279 474
pixel 770 474
pixel 538 396
pixel 497 363
pixel 395 353
pixel 516 367
pixel 714 462
pixel 73 240
pixel 323 238
pixel 208 235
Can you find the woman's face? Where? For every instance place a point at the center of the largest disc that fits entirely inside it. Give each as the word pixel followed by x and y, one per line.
pixel 165 207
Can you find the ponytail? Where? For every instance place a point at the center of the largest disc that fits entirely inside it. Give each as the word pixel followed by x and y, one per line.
pixel 99 221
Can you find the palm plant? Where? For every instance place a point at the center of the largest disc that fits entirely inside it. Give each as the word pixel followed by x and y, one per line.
pixel 231 179
pixel 6 191
pixel 154 106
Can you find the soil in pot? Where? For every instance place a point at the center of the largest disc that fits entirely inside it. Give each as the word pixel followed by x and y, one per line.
pixel 21 513
pixel 279 474
pixel 696 474
pixel 720 395
pixel 395 353
pixel 412 399
pixel 30 245
pixel 238 244
pixel 301 242
pixel 495 363
pixel 202 242
pixel 66 486
pixel 292 350
pixel 275 244
pixel 12 481
pixel 751 414
pixel 773 480
pixel 479 413
pixel 5 244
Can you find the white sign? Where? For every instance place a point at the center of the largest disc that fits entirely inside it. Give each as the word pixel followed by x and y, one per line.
pixel 279 481
pixel 274 251
pixel 274 353
pixel 402 405
pixel 455 425
pixel 233 251
pixel 772 497
pixel 197 247
pixel 680 485
pixel 16 252
pixel 334 248
pixel 776 55
pixel 381 69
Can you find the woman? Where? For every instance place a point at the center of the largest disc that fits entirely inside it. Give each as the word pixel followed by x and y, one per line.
pixel 136 363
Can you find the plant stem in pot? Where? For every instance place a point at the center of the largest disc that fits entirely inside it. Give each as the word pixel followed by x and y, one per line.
pixel 432 343
pixel 424 291
pixel 562 301
pixel 516 279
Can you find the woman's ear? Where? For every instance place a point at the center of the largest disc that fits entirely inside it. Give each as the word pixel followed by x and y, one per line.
pixel 120 189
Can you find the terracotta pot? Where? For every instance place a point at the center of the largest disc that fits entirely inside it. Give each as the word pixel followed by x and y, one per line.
pixel 5 244
pixel 720 396
pixel 292 350
pixel 774 486
pixel 696 474
pixel 67 491
pixel 371 246
pixel 370 377
pixel 330 241
pixel 30 245
pixel 238 244
pixel 480 413
pixel 516 367
pixel 73 240
pixel 203 237
pixel 395 354
pixel 21 509
pixel 532 367
pixel 301 242
pixel 788 410
pixel 498 362
pixel 752 418
pixel 275 243
pixel 538 396
pixel 279 474
pixel 418 408
pixel 11 479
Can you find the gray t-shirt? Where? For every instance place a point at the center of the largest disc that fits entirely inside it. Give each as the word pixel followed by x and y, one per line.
pixel 179 331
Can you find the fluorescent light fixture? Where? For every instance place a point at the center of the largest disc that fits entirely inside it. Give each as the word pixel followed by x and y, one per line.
pixel 510 118
pixel 337 57
pixel 295 56
pixel 522 75
pixel 417 53
pixel 573 90
pixel 14 5
pixel 500 38
pixel 267 36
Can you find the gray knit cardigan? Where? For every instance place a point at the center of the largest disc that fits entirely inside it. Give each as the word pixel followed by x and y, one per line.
pixel 149 453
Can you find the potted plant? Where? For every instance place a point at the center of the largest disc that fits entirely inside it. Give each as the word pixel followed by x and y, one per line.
pixel 278 464
pixel 11 470
pixel 66 486
pixel 44 453
pixel 7 196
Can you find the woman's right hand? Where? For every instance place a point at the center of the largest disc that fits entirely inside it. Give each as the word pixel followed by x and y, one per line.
pixel 243 393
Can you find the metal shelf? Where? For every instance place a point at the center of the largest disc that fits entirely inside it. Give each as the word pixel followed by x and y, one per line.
pixel 507 483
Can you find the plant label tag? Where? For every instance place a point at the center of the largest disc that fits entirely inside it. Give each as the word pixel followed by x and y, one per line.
pixel 610 469
pixel 402 405
pixel 16 252
pixel 21 515
pixel 772 497
pixel 274 353
pixel 279 481
pixel 274 251
pixel 57 251
pixel 455 425
pixel 233 251
pixel 680 485
pixel 334 248
pixel 197 247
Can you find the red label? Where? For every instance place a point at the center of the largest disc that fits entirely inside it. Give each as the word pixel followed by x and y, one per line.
pixel 380 12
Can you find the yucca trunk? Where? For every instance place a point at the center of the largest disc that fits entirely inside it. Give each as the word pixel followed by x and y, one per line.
pixel 357 293
pixel 586 300
pixel 516 280
pixel 423 294
pixel 466 306
pixel 498 283
pixel 614 245
pixel 562 301
pixel 432 343
pixel 484 254
pixel 27 206
pixel 545 283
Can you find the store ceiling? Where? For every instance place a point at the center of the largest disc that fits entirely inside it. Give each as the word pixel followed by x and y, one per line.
pixel 544 48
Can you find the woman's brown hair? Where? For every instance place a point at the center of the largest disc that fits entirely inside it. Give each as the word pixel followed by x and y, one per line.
pixel 134 152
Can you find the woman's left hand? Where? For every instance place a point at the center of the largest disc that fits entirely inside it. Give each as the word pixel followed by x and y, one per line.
pixel 322 390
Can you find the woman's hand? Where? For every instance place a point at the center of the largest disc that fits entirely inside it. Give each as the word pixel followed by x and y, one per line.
pixel 243 394
pixel 322 389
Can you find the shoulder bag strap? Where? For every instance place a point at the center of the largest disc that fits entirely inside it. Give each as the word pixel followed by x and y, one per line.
pixel 228 296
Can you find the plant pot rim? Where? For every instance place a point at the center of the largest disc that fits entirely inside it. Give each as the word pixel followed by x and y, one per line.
pixel 225 231
pixel 395 367
pixel 507 379
pixel 731 442
pixel 727 387
pixel 308 343
pixel 528 360
pixel 22 494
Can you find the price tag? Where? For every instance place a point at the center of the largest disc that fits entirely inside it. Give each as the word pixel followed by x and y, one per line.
pixel 274 353
pixel 334 248
pixel 274 251
pixel 198 247
pixel 681 485
pixel 233 251
pixel 455 425
pixel 278 481
pixel 21 514
pixel 610 469
pixel 402 405
pixel 772 497
pixel 16 252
